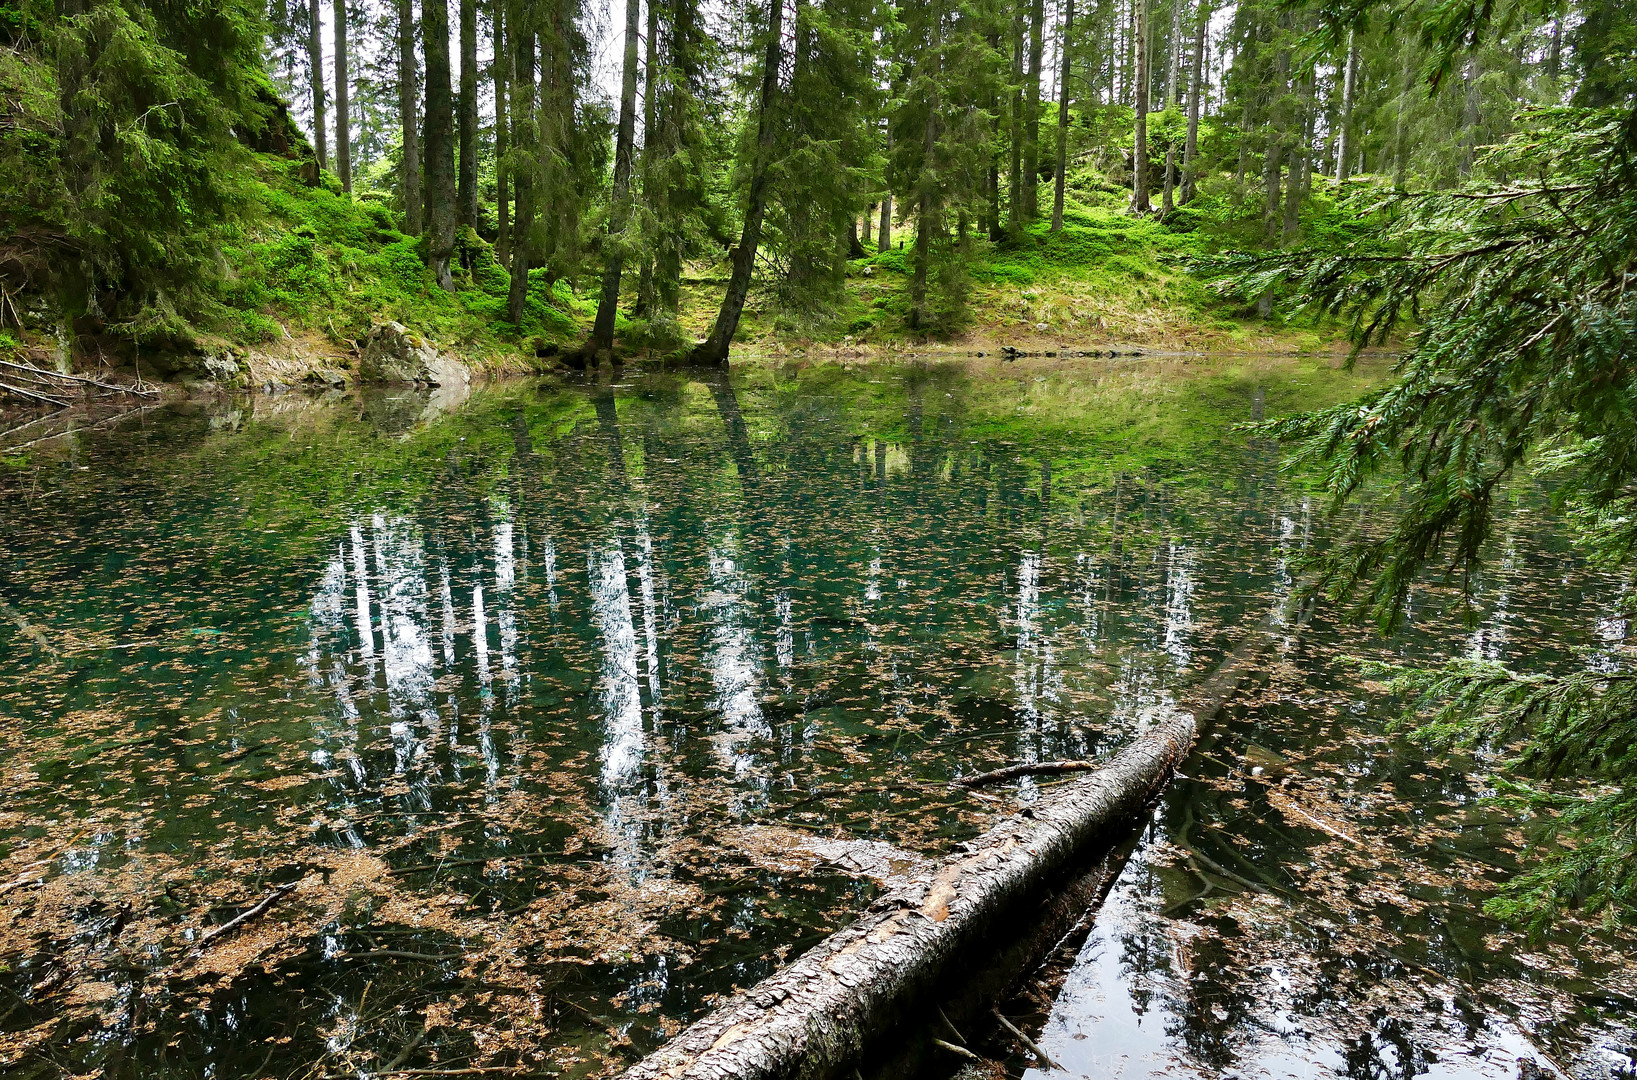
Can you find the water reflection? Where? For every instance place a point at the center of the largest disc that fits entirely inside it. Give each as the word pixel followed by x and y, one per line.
pixel 511 688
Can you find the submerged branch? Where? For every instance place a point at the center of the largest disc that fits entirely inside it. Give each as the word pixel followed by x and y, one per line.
pixel 1035 768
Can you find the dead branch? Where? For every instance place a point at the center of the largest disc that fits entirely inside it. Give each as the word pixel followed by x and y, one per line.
pixel 1036 768
pixel 216 933
pixel 42 372
pixel 32 396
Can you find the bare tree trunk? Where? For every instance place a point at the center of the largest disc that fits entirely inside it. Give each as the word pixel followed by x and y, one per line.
pixel 1168 199
pixel 650 69
pixel 502 64
pixel 440 140
pixel 466 190
pixel 1469 116
pixel 869 226
pixel 1139 156
pixel 602 331
pixel 1060 179
pixel 1344 126
pixel 523 124
pixel 1031 138
pixel 315 68
pixel 1173 76
pixel 714 350
pixel 884 233
pixel 408 118
pixel 1400 125
pixel 343 96
pixel 1196 85
pixel 927 183
pixel 1015 203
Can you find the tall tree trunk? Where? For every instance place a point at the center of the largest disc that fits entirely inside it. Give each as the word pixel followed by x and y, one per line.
pixel 1400 121
pixel 1554 52
pixel 1060 178
pixel 1196 84
pixel 1014 195
pixel 884 233
pixel 1139 155
pixel 315 68
pixel 927 183
pixel 523 124
pixel 650 69
pixel 1296 175
pixel 1031 140
pixel 1344 126
pixel 1470 115
pixel 602 330
pixel 1168 198
pixel 501 66
pixel 869 226
pixel 408 120
pixel 1174 75
pixel 466 191
pixel 440 140
pixel 343 98
pixel 714 350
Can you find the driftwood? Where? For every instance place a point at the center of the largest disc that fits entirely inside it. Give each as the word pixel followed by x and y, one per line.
pixel 819 1016
pixel 1037 768
pixel 44 374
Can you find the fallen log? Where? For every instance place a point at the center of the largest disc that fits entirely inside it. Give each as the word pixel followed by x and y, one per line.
pixel 817 1017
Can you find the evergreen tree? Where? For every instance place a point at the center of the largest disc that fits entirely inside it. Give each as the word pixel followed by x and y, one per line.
pixel 440 141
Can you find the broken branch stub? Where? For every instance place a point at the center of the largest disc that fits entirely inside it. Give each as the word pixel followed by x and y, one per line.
pixel 817 1016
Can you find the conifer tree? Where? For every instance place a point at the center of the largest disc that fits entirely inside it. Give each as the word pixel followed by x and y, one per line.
pixel 343 97
pixel 440 141
pixel 466 208
pixel 409 120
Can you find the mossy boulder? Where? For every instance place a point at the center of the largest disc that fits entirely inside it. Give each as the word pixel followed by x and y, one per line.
pixel 393 353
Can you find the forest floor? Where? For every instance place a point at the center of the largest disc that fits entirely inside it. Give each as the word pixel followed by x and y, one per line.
pixel 313 270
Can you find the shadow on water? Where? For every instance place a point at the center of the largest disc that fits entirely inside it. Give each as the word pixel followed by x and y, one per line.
pixel 564 708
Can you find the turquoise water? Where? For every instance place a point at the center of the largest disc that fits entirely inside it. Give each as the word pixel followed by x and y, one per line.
pixel 548 714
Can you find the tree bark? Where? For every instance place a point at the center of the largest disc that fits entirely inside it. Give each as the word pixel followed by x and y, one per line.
pixel 1469 115
pixel 440 140
pixel 1344 127
pixel 1031 139
pixel 1174 74
pixel 923 937
pixel 315 68
pixel 1139 152
pixel 522 101
pixel 343 98
pixel 466 190
pixel 1014 199
pixel 1196 83
pixel 868 227
pixel 714 349
pixel 650 68
pixel 602 330
pixel 1059 180
pixel 884 233
pixel 501 65
pixel 410 172
pixel 926 183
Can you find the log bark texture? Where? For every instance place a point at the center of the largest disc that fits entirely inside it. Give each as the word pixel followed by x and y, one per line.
pixel 817 1017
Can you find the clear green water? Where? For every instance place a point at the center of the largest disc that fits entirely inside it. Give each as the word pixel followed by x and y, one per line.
pixel 567 707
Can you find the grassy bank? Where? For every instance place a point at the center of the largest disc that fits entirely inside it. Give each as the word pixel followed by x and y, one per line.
pixel 311 270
